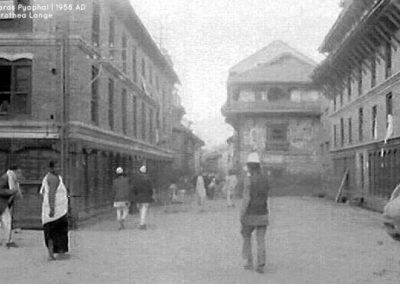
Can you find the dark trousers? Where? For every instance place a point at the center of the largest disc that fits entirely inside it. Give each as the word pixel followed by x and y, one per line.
pixel 246 232
pixel 57 231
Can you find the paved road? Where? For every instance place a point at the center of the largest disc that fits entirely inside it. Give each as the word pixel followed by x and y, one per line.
pixel 309 241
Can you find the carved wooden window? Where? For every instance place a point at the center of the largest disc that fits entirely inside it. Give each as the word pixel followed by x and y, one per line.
pixel 15 86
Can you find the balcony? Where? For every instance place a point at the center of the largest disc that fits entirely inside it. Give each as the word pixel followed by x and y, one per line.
pixel 263 107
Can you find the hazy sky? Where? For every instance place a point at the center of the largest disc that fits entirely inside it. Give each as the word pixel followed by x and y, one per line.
pixel 207 37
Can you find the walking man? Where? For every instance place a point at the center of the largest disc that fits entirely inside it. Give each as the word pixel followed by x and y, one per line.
pixel 55 213
pixel 254 213
pixel 121 190
pixel 229 187
pixel 144 195
pixel 9 190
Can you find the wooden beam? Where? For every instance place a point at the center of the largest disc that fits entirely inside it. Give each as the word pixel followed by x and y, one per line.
pixel 393 19
pixel 384 36
pixel 371 51
pixel 361 50
pixel 349 69
pixel 395 3
pixel 360 61
pixel 374 47
pixel 388 31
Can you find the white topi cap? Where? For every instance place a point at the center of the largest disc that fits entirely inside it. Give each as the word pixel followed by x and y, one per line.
pixel 119 170
pixel 253 158
pixel 143 169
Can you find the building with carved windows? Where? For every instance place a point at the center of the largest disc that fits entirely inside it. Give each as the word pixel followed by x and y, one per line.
pixel 275 110
pixel 89 88
pixel 361 77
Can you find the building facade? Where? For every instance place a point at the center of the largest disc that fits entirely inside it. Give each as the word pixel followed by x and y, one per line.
pixel 361 77
pixel 89 88
pixel 275 110
pixel 187 151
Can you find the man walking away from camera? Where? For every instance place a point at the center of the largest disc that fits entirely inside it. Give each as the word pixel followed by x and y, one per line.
pixel 144 195
pixel 55 213
pixel 121 190
pixel 254 213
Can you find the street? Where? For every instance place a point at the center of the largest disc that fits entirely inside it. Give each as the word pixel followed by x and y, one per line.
pixel 309 240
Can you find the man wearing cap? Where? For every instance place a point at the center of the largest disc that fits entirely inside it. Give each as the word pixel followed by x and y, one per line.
pixel 122 196
pixel 254 212
pixel 144 193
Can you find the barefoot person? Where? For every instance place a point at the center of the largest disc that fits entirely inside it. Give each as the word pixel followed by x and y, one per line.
pixel 122 196
pixel 254 213
pixel 54 213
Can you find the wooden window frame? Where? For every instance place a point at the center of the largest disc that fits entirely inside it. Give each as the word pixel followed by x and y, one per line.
pixel 11 109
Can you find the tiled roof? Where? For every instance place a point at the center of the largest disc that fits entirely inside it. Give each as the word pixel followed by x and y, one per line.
pixel 267 54
pixel 286 68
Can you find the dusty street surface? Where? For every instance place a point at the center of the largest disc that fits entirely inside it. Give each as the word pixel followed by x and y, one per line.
pixel 309 241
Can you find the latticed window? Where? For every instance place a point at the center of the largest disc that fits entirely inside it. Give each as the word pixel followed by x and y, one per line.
pixel 15 86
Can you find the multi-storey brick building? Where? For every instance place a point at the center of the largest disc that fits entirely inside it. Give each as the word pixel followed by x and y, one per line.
pixel 88 87
pixel 361 77
pixel 275 110
pixel 187 151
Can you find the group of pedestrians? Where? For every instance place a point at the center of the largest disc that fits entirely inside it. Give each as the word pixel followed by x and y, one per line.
pixel 54 209
pixel 140 191
pixel 253 214
pixel 55 204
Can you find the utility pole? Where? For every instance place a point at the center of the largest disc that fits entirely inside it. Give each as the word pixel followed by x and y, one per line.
pixel 65 80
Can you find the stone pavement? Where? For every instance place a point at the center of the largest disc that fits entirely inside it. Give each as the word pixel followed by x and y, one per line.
pixel 309 241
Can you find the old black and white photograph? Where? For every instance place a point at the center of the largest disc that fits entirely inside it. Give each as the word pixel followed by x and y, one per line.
pixel 200 141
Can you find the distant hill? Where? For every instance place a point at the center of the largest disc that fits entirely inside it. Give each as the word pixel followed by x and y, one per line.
pixel 213 131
